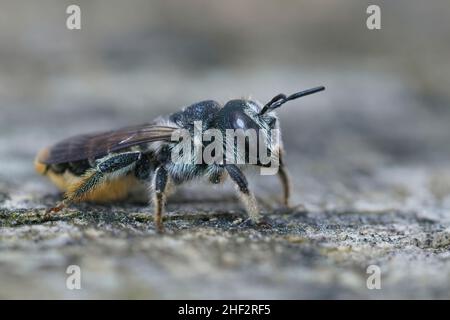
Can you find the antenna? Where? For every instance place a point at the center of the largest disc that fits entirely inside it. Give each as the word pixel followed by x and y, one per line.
pixel 281 99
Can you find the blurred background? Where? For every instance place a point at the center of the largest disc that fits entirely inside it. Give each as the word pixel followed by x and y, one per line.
pixel 377 139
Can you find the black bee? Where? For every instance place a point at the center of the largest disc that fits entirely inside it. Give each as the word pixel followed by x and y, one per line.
pixel 110 166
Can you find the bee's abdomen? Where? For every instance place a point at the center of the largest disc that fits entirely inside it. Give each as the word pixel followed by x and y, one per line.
pixel 61 174
pixel 39 161
pixel 77 168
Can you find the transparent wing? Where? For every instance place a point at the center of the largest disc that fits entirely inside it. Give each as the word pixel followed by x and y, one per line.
pixel 96 145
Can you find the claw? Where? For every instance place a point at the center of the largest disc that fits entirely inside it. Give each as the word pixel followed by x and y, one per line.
pixel 160 228
pixel 56 209
pixel 263 223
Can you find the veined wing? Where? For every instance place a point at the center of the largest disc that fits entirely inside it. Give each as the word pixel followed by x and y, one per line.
pixel 96 145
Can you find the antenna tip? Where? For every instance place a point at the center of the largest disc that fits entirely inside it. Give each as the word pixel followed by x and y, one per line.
pixel 319 88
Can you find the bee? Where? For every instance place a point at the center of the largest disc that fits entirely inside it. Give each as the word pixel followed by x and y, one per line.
pixel 111 166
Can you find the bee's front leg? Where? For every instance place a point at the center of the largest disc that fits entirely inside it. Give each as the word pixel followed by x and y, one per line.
pixel 245 194
pixel 159 186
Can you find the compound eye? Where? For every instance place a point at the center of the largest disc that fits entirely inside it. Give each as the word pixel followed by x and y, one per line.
pixel 240 120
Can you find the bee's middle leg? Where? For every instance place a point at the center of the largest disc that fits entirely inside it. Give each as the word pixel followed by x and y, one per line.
pixel 159 186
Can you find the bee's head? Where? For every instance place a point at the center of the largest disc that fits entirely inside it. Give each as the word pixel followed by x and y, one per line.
pixel 248 114
pixel 245 116
pixel 249 126
pixel 242 114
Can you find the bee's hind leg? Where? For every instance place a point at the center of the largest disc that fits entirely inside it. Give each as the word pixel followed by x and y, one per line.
pixel 159 185
pixel 110 167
